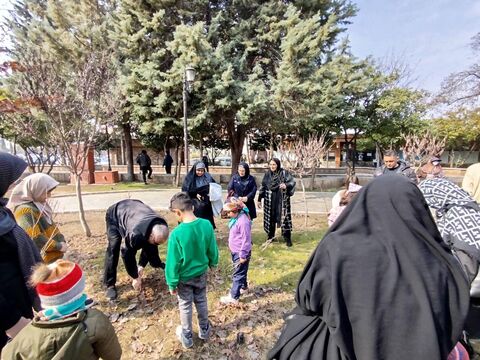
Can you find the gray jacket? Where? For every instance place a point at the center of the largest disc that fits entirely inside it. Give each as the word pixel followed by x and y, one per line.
pixel 402 169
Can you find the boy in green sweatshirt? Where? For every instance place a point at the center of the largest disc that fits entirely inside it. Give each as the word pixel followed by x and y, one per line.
pixel 192 249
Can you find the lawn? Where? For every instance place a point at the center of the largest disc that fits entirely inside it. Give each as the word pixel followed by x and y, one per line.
pixel 146 322
pixel 122 186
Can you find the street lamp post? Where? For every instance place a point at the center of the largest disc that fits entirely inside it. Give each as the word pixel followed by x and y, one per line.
pixel 188 78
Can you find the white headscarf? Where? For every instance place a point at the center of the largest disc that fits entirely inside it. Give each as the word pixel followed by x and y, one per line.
pixel 32 189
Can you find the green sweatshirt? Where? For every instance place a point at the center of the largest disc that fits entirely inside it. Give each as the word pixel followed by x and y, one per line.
pixel 192 249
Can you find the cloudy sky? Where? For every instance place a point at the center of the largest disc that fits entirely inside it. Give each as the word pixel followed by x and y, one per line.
pixel 431 36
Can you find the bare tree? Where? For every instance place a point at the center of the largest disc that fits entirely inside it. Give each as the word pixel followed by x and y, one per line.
pixel 464 86
pixel 72 104
pixel 419 148
pixel 302 156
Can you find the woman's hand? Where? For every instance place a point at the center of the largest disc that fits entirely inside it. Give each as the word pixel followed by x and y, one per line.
pixel 243 199
pixel 259 204
pixel 199 197
pixel 283 186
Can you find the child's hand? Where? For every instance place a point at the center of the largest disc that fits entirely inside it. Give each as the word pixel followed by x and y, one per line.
pixel 242 260
pixel 140 271
pixel 173 292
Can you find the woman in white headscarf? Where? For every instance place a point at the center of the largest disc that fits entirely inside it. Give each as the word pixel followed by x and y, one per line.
pixel 29 204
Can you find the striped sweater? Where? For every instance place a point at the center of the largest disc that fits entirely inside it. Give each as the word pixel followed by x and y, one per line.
pixel 36 225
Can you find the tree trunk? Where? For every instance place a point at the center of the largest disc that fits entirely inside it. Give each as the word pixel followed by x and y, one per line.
pixel 81 211
pixel 178 166
pixel 304 200
pixel 128 151
pixel 236 135
pixel 314 173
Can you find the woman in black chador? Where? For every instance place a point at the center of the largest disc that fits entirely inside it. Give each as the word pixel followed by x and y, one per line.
pixel 197 185
pixel 278 185
pixel 380 285
pixel 243 186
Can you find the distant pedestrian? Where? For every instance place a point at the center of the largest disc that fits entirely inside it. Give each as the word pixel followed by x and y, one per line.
pixel 471 181
pixel 394 166
pixel 192 250
pixel 29 204
pixel 278 185
pixel 243 186
pixel 145 163
pixel 205 161
pixel 349 179
pixel 432 169
pixel 197 185
pixel 68 327
pixel 142 229
pixel 167 162
pixel 240 245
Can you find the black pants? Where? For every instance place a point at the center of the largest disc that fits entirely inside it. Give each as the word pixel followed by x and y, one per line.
pixel 145 170
pixel 113 252
pixel 168 169
pixel 287 234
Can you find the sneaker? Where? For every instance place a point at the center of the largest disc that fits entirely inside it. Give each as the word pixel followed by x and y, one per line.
pixel 244 291
pixel 205 334
pixel 187 342
pixel 111 293
pixel 227 300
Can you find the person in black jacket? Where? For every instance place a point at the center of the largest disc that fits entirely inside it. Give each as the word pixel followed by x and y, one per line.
pixel 167 162
pixel 145 163
pixel 197 185
pixel 142 229
pixel 243 186
pixel 18 254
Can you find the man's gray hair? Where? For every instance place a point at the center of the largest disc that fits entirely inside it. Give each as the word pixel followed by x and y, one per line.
pixel 390 153
pixel 159 231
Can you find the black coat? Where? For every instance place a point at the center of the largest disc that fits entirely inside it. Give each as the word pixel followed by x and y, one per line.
pixel 194 186
pixel 380 285
pixel 246 186
pixel 134 221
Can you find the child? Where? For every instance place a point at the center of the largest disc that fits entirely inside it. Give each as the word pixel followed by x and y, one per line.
pixel 345 199
pixel 66 328
pixel 240 244
pixel 192 249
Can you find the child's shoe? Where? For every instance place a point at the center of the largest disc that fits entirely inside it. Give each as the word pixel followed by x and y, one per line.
pixel 228 300
pixel 204 334
pixel 244 291
pixel 187 342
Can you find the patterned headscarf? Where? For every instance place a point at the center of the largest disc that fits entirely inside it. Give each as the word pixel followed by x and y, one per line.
pixel 458 215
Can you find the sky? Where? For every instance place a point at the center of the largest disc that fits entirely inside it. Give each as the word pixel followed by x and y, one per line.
pixel 432 37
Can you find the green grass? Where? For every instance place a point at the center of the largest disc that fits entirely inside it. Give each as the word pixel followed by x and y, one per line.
pixel 68 189
pixel 277 266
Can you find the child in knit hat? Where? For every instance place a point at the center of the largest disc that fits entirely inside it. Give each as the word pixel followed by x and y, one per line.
pixel 67 327
pixel 240 245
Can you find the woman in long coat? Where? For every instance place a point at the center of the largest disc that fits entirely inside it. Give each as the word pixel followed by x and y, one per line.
pixel 380 285
pixel 243 186
pixel 197 185
pixel 18 255
pixel 278 185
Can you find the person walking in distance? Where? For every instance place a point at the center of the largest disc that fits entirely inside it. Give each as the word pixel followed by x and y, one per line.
pixel 145 163
pixel 167 162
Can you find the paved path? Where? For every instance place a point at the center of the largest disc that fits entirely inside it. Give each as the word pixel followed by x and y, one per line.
pixel 318 202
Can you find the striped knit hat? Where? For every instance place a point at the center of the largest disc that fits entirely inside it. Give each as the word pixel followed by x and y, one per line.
pixel 60 286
